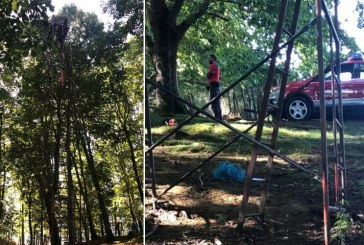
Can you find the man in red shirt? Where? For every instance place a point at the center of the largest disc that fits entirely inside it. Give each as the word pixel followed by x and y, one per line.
pixel 213 78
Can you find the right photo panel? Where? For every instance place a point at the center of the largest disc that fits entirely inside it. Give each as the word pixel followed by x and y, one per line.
pixel 253 114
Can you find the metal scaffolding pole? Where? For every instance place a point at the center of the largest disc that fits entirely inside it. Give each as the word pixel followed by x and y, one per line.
pixel 324 158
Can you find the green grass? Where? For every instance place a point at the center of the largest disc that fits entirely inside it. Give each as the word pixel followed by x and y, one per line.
pixel 205 136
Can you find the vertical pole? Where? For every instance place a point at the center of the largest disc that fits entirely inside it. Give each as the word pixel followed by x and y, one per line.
pixel 340 109
pixel 150 143
pixel 320 60
pixel 334 87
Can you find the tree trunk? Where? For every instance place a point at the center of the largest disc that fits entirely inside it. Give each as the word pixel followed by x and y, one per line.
pixel 2 210
pixel 95 179
pixel 166 36
pixel 70 187
pixel 51 217
pixel 49 181
pixel 56 153
pixel 30 201
pixel 84 193
pixel 22 226
pixel 165 65
pixel 133 160
pixel 165 46
pixel 102 227
pixel 131 200
pixel 2 193
pixel 41 228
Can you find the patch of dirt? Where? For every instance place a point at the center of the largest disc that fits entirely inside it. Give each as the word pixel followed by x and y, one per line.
pixel 196 213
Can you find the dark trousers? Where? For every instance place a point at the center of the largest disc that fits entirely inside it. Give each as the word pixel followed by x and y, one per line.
pixel 214 91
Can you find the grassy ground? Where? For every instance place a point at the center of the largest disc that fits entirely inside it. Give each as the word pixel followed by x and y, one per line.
pixel 211 209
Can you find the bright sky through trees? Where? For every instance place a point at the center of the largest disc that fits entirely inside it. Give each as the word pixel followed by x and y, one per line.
pixel 348 16
pixel 92 6
pixel 348 19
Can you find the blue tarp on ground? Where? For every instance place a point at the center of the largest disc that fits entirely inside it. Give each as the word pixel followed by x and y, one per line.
pixel 228 171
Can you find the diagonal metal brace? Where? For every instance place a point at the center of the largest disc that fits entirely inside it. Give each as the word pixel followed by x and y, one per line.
pixel 237 131
pixel 204 162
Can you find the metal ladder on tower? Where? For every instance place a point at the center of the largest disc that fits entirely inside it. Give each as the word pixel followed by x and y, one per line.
pixel 276 117
pixel 338 128
pixel 339 160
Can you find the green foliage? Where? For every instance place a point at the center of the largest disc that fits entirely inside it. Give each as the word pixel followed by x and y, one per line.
pixel 341 225
pixel 241 35
pixel 128 16
pixel 17 38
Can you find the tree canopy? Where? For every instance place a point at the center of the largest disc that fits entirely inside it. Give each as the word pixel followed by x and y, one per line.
pixel 239 33
pixel 70 124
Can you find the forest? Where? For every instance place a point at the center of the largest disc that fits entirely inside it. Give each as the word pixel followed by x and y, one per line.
pixel 71 121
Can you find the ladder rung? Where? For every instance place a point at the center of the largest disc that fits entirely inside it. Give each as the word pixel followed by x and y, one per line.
pixel 259 179
pixel 273 106
pixel 253 214
pixel 287 32
pixel 267 144
pixel 336 209
pixel 337 80
pixel 281 71
pixel 338 123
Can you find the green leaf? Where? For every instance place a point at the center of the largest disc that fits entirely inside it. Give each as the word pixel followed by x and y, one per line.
pixel 14 5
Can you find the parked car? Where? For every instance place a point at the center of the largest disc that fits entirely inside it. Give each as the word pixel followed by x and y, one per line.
pixel 301 98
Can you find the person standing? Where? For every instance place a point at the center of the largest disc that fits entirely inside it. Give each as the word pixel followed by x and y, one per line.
pixel 213 78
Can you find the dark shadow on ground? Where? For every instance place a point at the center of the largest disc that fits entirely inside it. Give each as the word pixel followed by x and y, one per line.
pixel 212 209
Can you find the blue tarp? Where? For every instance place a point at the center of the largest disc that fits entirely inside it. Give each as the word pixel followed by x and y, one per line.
pixel 228 171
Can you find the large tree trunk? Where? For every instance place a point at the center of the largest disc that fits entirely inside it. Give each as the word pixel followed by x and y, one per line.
pixel 164 48
pixel 165 65
pixel 47 197
pixel 49 181
pixel 163 44
pixel 86 145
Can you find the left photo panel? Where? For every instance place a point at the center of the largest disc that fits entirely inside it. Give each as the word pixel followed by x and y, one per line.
pixel 71 122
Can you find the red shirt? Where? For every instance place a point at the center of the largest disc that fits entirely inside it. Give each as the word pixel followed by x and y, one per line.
pixel 214 72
